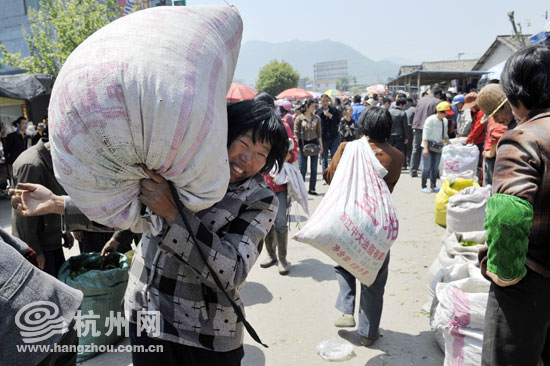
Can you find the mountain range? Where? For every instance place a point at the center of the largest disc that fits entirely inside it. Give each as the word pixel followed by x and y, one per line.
pixel 302 55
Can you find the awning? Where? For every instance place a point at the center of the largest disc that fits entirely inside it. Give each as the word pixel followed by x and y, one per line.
pixel 426 77
pixel 25 86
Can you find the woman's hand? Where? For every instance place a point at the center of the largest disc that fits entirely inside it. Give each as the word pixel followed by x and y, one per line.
pixel 36 200
pixel 110 247
pixel 156 194
pixel 426 152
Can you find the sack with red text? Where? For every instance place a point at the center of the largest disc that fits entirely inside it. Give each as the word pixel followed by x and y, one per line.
pixel 356 222
pixel 148 88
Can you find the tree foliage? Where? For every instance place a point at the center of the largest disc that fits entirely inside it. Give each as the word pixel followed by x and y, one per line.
pixel 56 29
pixel 277 76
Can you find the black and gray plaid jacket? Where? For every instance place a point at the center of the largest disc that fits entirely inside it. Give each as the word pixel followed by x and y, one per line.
pixel 168 274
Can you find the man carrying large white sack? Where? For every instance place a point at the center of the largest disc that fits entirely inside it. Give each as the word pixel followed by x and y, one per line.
pixel 192 260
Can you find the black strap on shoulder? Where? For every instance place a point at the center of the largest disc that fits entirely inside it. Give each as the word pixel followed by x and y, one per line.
pixel 238 311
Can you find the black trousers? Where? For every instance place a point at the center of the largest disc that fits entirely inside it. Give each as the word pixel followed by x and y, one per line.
pixel 398 142
pixel 63 358
pixel 176 354
pixel 517 323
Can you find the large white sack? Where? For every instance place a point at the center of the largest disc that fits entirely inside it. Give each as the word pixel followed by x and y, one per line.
pixel 149 88
pixel 356 223
pixel 455 261
pixel 459 316
pixel 466 209
pixel 459 161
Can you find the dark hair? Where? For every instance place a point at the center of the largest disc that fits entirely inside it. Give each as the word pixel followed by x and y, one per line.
pixel 282 110
pixel 375 122
pixel 18 121
pixel 305 105
pixel 437 91
pixel 386 100
pixel 337 101
pixel 410 101
pixel 526 78
pixel 401 101
pixel 325 96
pixel 266 126
pixel 266 98
pixel 356 99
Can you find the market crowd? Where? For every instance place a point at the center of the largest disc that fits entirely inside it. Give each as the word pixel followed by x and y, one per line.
pixel 508 122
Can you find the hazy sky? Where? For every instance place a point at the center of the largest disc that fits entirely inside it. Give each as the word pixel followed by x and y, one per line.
pixel 422 30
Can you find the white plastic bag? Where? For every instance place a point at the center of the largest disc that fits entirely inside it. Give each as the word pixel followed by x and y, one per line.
pixel 335 350
pixel 148 88
pixel 455 261
pixel 356 223
pixel 460 316
pixel 466 209
pixel 291 176
pixel 459 161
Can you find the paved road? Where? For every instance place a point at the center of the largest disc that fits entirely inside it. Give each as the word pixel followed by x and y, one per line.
pixel 293 313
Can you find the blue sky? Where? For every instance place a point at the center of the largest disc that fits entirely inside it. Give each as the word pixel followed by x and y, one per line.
pixel 426 30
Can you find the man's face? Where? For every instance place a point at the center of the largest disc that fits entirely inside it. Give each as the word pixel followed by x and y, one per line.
pixel 325 102
pixel 504 115
pixel 246 158
pixel 23 124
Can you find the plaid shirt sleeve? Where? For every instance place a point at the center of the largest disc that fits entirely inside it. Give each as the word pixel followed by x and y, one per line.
pixel 232 251
pixel 75 220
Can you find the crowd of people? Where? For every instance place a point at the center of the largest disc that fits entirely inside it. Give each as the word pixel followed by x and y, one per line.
pixel 192 272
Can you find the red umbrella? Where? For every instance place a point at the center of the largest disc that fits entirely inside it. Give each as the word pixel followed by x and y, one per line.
pixel 294 93
pixel 238 92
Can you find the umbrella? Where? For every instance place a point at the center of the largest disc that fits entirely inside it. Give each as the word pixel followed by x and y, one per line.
pixel 238 92
pixel 377 88
pixel 314 95
pixel 333 93
pixel 294 94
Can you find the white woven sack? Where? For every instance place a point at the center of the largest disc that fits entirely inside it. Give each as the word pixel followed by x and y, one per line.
pixel 454 261
pixel 149 88
pixel 466 209
pixel 356 223
pixel 460 315
pixel 459 161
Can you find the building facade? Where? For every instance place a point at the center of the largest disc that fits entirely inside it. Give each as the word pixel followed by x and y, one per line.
pixel 327 74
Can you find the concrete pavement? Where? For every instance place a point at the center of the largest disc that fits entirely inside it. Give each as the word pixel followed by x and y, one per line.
pixel 294 313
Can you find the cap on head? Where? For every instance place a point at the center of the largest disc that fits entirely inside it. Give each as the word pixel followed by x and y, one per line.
pixel 445 107
pixel 490 100
pixel 458 99
pixel 287 105
pixel 470 100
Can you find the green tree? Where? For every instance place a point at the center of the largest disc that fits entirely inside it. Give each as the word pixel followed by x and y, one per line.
pixel 343 83
pixel 277 76
pixel 57 27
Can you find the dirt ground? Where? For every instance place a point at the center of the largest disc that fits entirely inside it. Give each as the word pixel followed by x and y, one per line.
pixel 294 313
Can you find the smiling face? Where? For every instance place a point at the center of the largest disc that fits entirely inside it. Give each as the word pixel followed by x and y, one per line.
pixel 246 158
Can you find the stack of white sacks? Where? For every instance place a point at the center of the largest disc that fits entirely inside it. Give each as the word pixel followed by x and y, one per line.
pixel 457 291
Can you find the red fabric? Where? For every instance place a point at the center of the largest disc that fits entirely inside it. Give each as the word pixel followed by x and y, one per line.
pixel 477 134
pixel 30 255
pixel 293 157
pixel 495 131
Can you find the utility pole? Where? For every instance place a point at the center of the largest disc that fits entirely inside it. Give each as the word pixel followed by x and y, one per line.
pixel 460 54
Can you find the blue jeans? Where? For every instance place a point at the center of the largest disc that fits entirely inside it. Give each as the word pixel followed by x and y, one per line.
pixel 331 145
pixel 314 160
pixel 431 167
pixel 371 302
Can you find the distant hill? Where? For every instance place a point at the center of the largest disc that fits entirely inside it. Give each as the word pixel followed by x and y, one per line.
pixel 303 54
